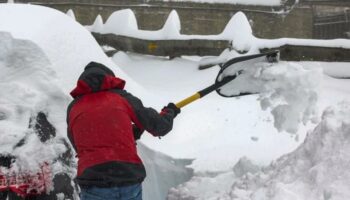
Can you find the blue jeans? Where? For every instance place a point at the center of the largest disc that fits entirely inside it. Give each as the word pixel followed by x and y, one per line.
pixel 133 192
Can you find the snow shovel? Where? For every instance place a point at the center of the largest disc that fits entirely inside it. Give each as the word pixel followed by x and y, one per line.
pixel 220 81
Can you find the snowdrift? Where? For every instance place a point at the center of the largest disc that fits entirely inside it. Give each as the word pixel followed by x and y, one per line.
pixel 318 169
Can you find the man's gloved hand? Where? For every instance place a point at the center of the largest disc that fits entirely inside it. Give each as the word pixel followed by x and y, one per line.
pixel 173 108
pixel 137 132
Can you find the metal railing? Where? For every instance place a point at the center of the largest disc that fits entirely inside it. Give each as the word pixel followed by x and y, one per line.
pixel 334 26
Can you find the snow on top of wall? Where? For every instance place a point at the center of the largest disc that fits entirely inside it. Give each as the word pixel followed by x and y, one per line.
pixel 242 2
pixel 172 26
pixel 238 30
pixel 122 22
pixel 97 26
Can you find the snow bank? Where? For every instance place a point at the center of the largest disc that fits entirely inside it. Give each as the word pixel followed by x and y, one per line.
pixel 163 173
pixel 318 169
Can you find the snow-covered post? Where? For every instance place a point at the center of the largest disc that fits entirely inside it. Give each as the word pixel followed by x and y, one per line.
pixel 71 14
pixel 10 1
pixel 97 26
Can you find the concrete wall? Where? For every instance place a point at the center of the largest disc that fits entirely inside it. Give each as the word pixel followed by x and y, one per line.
pixel 309 53
pixel 171 48
pixel 201 19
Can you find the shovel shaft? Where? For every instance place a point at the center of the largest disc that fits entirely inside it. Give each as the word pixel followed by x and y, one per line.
pixel 188 100
pixel 204 92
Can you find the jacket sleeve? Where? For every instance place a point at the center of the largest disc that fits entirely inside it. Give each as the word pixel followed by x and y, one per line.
pixel 158 124
pixel 69 133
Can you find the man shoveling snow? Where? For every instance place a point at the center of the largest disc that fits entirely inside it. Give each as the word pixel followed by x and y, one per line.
pixel 104 121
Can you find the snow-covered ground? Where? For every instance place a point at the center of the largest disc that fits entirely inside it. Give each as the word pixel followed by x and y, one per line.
pixel 232 141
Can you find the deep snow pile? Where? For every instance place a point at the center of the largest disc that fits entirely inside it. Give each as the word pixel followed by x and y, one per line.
pixel 318 169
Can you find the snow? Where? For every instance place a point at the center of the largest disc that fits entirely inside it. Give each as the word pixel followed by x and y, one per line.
pixel 21 62
pixel 97 25
pixel 47 33
pixel 226 141
pixel 316 170
pixel 289 90
pixel 122 21
pixel 240 36
pixel 172 26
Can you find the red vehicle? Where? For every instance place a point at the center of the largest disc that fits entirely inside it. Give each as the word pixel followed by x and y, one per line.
pixel 43 184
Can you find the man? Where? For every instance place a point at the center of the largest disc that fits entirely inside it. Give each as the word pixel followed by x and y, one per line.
pixel 103 123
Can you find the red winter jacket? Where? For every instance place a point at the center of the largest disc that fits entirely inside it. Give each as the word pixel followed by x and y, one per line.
pixel 100 127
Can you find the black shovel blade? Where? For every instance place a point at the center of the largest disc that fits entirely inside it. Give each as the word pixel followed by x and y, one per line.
pixel 236 77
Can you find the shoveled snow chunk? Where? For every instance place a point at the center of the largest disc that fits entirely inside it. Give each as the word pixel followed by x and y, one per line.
pixel 288 90
pixel 244 166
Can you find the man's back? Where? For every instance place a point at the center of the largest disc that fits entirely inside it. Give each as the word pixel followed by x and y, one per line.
pixel 102 120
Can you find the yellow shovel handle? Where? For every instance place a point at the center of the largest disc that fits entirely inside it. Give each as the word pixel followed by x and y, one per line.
pixel 188 100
